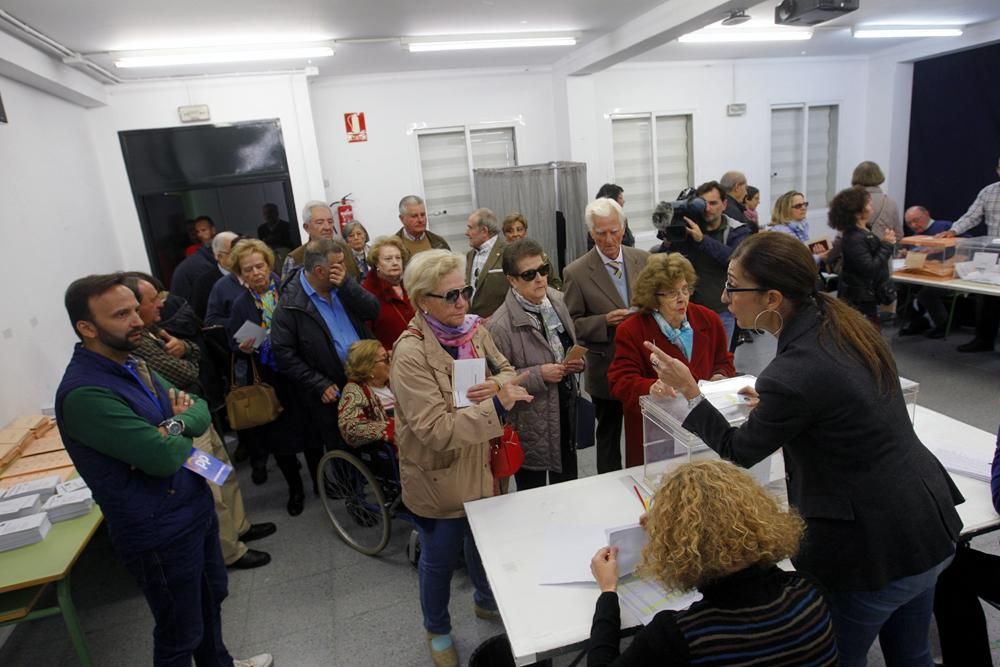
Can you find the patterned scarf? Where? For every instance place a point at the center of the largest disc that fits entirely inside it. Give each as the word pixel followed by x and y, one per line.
pixel 553 325
pixel 460 337
pixel 682 337
pixel 267 302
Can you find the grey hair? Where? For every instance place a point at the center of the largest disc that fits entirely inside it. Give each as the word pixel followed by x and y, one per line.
pixel 732 180
pixel 603 208
pixel 349 228
pixel 219 239
pixel 317 253
pixel 487 219
pixel 407 200
pixel 426 269
pixel 307 210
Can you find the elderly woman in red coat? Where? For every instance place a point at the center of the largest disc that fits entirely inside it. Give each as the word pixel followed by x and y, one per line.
pixel 689 332
pixel 385 280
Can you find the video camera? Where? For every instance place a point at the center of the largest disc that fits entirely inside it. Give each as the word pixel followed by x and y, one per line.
pixel 668 218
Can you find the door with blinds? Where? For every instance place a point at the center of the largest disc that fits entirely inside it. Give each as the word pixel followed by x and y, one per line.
pixel 447 159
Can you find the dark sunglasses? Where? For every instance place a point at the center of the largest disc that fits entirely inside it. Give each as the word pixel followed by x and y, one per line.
pixel 804 204
pixel 451 296
pixel 528 276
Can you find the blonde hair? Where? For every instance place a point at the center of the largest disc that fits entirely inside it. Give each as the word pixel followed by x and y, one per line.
pixel 426 269
pixel 246 247
pixel 383 241
pixel 710 519
pixel 361 359
pixel 782 211
pixel 662 272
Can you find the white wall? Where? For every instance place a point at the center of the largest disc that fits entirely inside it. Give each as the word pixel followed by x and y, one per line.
pixel 386 167
pixel 154 105
pixel 54 225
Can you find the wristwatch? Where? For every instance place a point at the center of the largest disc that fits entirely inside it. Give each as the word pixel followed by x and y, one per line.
pixel 173 425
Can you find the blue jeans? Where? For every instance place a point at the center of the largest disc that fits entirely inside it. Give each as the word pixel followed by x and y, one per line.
pixel 899 614
pixel 440 542
pixel 185 583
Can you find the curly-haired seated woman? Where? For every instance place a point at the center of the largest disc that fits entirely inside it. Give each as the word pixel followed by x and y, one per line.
pixel 366 402
pixel 713 528
pixel 688 332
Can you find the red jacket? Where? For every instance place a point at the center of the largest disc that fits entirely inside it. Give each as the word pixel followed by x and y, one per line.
pixel 394 313
pixel 631 375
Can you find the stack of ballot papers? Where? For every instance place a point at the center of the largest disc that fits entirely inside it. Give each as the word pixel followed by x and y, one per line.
pixel 44 486
pixel 71 485
pixel 26 530
pixel 20 506
pixel 63 506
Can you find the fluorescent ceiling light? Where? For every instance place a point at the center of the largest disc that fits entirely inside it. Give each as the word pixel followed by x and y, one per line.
pixel 876 32
pixel 443 44
pixel 246 54
pixel 717 35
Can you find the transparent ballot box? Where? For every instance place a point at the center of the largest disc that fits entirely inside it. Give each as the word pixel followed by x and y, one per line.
pixel 978 259
pixel 910 389
pixel 926 256
pixel 663 437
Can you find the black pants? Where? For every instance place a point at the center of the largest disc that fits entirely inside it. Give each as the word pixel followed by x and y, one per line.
pixel 988 319
pixel 959 614
pixel 531 479
pixel 609 434
pixel 289 466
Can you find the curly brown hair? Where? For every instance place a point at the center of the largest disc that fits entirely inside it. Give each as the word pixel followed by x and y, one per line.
pixel 710 519
pixel 663 271
pixel 361 359
pixel 381 243
pixel 845 208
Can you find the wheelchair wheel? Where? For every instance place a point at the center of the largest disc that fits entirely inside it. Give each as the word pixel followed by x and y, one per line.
pixel 354 502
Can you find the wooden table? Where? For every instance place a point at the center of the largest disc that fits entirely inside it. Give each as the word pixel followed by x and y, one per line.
pixel 25 572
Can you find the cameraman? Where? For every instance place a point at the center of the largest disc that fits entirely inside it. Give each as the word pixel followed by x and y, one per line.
pixel 708 245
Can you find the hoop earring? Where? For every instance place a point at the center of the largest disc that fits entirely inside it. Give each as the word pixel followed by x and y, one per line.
pixel 756 327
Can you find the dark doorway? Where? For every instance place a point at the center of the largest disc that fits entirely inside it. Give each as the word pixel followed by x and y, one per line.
pixel 227 172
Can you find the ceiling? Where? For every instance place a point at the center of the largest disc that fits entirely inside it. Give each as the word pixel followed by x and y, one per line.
pixel 98 27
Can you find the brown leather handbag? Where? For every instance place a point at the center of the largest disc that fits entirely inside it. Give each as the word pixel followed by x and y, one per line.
pixel 255 404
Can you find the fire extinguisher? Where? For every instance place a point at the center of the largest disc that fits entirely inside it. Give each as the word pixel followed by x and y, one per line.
pixel 345 212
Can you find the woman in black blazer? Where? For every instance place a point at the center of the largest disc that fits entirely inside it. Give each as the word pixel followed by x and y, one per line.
pixel 879 508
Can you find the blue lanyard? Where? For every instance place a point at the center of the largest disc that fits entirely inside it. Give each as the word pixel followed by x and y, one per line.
pixel 152 396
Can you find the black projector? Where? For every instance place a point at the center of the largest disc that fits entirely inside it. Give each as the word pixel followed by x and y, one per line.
pixel 811 12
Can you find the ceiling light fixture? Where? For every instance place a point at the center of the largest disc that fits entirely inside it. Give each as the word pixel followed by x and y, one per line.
pixel 715 36
pixel 246 54
pixel 496 42
pixel 889 32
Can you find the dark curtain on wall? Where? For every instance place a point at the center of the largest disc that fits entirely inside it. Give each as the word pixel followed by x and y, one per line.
pixel 954 130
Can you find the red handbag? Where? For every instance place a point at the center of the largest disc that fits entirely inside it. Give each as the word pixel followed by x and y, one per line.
pixel 506 454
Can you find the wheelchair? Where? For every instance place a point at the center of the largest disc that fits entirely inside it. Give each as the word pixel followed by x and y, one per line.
pixel 362 494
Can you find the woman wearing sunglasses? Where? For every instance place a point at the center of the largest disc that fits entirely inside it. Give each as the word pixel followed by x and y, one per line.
pixel 688 332
pixel 444 450
pixel 534 331
pixel 789 216
pixel 879 508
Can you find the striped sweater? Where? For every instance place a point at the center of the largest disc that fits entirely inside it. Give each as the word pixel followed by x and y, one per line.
pixel 753 617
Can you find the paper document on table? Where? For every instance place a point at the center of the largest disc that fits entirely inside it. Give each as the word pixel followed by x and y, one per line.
pixel 630 540
pixel 643 598
pixel 976 468
pixel 566 553
pixel 250 331
pixel 466 373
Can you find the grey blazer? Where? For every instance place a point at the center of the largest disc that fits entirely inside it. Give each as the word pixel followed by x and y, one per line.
pixel 878 505
pixel 590 294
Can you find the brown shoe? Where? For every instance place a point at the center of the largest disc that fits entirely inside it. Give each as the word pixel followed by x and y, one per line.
pixel 445 656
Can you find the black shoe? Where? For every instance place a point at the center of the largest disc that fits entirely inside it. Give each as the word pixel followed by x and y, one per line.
pixel 935 333
pixel 258 531
pixel 975 345
pixel 241 453
pixel 914 329
pixel 251 559
pixel 258 476
pixel 296 502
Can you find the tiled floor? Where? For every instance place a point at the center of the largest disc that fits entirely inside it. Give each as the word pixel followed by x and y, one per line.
pixel 322 604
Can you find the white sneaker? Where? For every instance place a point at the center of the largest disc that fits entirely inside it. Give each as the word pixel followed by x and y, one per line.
pixel 262 660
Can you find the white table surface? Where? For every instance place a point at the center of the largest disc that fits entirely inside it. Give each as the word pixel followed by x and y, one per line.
pixel 956 285
pixel 542 621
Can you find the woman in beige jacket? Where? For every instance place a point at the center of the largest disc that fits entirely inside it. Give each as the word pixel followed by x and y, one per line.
pixel 444 450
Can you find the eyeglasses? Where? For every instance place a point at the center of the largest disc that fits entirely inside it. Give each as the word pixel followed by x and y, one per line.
pixel 730 289
pixel 677 293
pixel 804 204
pixel 451 296
pixel 528 276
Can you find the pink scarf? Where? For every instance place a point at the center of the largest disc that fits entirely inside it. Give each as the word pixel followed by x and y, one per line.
pixel 460 337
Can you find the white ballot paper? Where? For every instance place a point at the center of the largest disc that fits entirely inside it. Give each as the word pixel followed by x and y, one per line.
pixel 466 373
pixel 251 331
pixel 630 540
pixel 566 553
